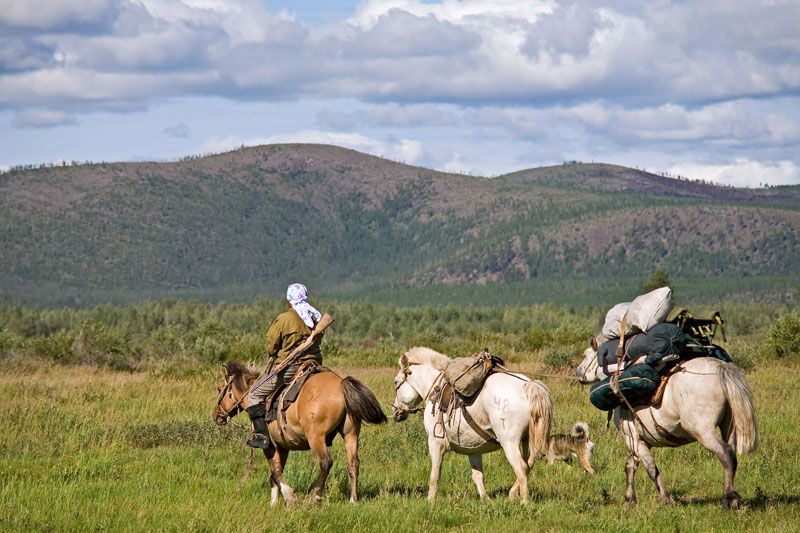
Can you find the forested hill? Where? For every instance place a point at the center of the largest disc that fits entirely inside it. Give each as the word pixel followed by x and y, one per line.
pixel 245 223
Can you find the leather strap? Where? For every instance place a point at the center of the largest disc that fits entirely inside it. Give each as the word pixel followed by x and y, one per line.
pixel 488 437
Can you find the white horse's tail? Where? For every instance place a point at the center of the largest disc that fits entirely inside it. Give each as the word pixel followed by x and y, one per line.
pixel 739 397
pixel 541 417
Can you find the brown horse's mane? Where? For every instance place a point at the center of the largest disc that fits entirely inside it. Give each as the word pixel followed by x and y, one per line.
pixel 425 356
pixel 241 373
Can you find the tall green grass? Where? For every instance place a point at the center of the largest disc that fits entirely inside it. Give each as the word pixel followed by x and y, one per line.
pixel 89 449
pixel 105 424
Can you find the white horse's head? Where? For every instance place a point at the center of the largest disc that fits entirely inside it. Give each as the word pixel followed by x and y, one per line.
pixel 419 370
pixel 589 370
pixel 406 396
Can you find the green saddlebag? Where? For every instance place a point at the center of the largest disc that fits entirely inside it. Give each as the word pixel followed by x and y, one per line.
pixel 637 383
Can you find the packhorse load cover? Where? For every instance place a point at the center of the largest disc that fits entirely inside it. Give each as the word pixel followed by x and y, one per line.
pixel 467 374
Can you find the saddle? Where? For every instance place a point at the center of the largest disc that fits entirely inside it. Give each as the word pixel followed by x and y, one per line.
pixel 287 393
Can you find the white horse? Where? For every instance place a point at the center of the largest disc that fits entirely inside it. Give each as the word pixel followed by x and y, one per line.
pixel 515 409
pixel 705 394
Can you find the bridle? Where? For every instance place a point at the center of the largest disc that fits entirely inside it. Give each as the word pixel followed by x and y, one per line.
pixel 406 372
pixel 590 369
pixel 227 390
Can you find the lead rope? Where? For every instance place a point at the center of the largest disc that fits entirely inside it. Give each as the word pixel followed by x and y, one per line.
pixel 248 469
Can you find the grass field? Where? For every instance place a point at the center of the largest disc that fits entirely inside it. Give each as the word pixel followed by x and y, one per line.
pixel 83 448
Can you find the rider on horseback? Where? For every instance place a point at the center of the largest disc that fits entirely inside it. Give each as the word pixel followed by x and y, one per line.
pixel 290 329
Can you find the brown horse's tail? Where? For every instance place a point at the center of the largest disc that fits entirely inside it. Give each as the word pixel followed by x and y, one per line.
pixel 361 402
pixel 745 430
pixel 541 417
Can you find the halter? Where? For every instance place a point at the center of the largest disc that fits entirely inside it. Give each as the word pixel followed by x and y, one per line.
pixel 591 368
pixel 228 390
pixel 406 372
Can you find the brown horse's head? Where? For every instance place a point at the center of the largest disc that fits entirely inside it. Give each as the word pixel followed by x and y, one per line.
pixel 231 390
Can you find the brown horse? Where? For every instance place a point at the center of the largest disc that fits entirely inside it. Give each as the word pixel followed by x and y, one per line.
pixel 326 405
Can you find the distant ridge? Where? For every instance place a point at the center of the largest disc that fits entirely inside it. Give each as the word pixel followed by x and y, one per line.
pixel 244 223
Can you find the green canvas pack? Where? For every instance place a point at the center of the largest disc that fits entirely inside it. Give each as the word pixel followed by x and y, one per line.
pixel 637 383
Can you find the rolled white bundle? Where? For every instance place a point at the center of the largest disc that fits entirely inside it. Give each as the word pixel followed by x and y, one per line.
pixel 613 318
pixel 650 309
pixel 643 313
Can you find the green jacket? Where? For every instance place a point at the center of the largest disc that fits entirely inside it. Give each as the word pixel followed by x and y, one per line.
pixel 286 332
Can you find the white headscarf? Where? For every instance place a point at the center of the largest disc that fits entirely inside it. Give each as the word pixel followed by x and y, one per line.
pixel 297 294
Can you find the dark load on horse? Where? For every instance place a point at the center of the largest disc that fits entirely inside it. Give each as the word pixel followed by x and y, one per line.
pixel 638 383
pixel 663 343
pixel 651 354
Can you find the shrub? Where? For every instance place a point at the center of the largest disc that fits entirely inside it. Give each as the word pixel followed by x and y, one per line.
pixel 166 341
pixel 213 343
pixel 784 335
pixel 560 356
pixel 537 338
pixel 56 347
pixel 8 342
pixel 248 348
pixel 105 345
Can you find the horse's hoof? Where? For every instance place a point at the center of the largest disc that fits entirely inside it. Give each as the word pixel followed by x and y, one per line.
pixel 732 501
pixel 630 502
pixel 667 500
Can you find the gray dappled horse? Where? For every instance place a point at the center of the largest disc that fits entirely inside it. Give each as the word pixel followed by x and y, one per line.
pixel 515 409
pixel 705 394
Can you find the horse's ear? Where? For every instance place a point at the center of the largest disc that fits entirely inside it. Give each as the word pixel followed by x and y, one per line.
pixel 403 361
pixel 225 371
pixel 593 343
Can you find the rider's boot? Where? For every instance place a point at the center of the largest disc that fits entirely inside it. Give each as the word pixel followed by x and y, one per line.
pixel 260 436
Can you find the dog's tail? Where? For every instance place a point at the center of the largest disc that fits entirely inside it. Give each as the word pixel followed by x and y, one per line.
pixel 580 430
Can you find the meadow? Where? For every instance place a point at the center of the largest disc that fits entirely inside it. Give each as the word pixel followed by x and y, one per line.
pixel 95 439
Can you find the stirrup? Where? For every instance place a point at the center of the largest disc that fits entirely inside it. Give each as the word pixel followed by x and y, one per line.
pixel 258 440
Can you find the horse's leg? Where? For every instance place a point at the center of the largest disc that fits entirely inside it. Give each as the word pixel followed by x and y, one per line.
pixel 436 449
pixel 352 429
pixel 727 456
pixel 318 446
pixel 527 453
pixel 277 462
pixel 520 486
pixel 476 461
pixel 652 470
pixel 630 471
pixel 274 488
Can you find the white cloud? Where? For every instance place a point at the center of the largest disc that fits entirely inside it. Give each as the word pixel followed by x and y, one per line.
pixel 43 118
pixel 462 12
pixel 475 51
pixel 742 172
pixel 392 116
pixel 47 14
pixel 700 81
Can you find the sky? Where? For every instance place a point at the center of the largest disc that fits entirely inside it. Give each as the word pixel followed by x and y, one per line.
pixel 700 89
